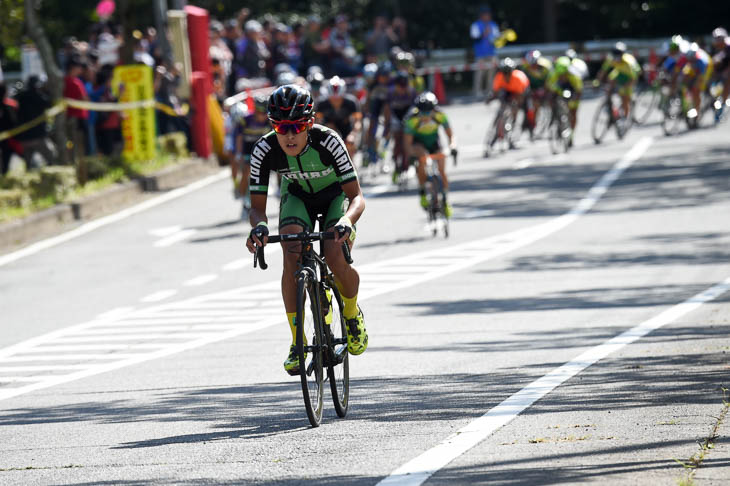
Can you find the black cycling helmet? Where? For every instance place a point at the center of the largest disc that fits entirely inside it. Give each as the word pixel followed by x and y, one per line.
pixel 427 101
pixel 506 66
pixel 290 102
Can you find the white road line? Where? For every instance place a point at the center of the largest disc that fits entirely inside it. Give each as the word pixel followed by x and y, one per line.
pixel 419 469
pixel 115 313
pixel 25 379
pixel 17 369
pixel 166 231
pixel 158 296
pixel 434 263
pixel 524 163
pixel 237 264
pixel 77 347
pixel 200 280
pixel 133 337
pixel 175 238
pixel 113 218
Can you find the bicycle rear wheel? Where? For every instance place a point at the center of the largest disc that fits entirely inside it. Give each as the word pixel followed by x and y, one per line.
pixel 601 122
pixel 309 349
pixel 338 359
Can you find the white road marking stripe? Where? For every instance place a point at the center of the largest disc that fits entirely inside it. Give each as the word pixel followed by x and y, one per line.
pixel 200 280
pixel 115 313
pixel 237 264
pixel 174 238
pixel 77 347
pixel 167 231
pixel 26 379
pixel 17 369
pixel 474 253
pixel 155 329
pixel 113 218
pixel 524 163
pixel 133 337
pixel 66 357
pixel 419 469
pixel 158 296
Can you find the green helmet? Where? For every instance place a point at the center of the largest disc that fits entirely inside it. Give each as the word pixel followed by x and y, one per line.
pixel 562 64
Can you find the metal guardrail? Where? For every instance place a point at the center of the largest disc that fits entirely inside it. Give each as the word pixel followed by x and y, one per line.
pixel 588 50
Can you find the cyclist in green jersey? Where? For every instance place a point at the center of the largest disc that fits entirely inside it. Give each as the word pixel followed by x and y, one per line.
pixel 622 70
pixel 318 176
pixel 421 141
pixel 564 76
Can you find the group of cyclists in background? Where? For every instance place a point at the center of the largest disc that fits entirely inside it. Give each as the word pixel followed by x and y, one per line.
pixel 387 109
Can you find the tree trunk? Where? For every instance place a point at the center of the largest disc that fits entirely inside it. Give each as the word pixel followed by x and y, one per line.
pixel 550 20
pixel 55 75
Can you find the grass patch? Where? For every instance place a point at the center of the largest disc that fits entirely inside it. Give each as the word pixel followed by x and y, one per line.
pixel 695 461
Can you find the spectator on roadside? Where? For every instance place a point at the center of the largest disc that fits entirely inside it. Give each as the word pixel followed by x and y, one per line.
pixel 314 47
pixel 400 29
pixel 340 47
pixel 253 52
pixel 379 40
pixel 8 120
pixel 279 48
pixel 484 32
pixel 32 103
pixel 108 123
pixel 88 77
pixel 76 118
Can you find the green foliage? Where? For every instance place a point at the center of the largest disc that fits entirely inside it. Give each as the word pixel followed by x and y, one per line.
pixel 12 15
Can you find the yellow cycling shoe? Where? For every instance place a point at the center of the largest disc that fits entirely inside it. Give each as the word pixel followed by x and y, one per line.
pixel 291 364
pixel 357 336
pixel 424 201
pixel 448 211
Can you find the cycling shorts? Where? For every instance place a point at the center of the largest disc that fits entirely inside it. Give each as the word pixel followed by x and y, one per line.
pixel 301 208
pixel 432 147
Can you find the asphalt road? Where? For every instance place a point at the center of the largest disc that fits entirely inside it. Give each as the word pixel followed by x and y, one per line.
pixel 562 335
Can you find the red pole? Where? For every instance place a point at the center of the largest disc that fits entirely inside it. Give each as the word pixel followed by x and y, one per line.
pixel 201 78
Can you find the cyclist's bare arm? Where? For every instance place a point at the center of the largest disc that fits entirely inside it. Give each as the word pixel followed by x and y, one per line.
pixel 353 192
pixel 256 216
pixel 452 138
pixel 408 144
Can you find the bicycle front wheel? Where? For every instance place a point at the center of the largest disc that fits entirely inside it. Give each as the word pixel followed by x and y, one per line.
pixel 601 122
pixel 338 362
pixel 673 116
pixel 646 101
pixel 310 349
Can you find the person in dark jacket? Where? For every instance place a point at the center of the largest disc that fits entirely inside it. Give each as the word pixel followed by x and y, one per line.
pixel 32 103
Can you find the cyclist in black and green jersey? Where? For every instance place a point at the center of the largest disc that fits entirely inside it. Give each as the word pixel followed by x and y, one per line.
pixel 421 141
pixel 318 176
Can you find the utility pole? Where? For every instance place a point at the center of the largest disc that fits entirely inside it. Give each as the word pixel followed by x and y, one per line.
pixel 160 11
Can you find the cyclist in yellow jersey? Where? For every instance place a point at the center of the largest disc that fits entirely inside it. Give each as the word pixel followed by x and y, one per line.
pixel 421 140
pixel 537 68
pixel 622 71
pixel 563 77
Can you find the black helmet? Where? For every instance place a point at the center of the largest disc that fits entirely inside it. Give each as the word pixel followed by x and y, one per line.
pixel 506 65
pixel 290 102
pixel 427 101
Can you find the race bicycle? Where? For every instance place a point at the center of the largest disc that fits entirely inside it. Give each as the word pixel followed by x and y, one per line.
pixel 436 209
pixel 560 132
pixel 321 336
pixel 609 114
pixel 500 136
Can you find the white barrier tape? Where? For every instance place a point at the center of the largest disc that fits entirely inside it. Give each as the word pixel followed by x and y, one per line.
pixel 90 105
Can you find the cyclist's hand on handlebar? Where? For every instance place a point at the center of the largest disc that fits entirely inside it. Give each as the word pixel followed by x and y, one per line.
pixel 258 237
pixel 343 230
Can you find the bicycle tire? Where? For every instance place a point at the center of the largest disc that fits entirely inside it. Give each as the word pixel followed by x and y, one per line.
pixel 673 116
pixel 601 122
pixel 542 120
pixel 309 349
pixel 644 104
pixel 338 362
